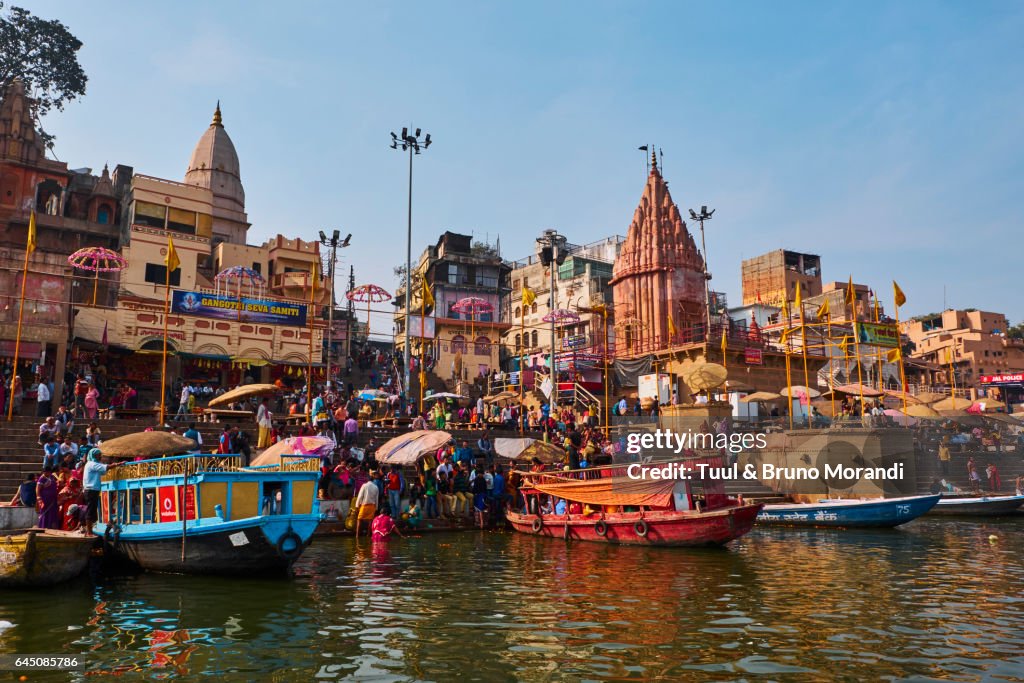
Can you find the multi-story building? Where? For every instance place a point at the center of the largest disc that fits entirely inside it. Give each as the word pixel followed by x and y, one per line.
pixel 74 209
pixel 973 343
pixel 771 278
pixel 581 285
pixel 461 344
pixel 219 331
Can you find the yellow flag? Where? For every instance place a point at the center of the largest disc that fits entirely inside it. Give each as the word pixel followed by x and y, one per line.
pixel 878 315
pixel 823 310
pixel 784 313
pixel 798 303
pixel 428 298
pixel 529 296
pixel 671 325
pixel 30 246
pixel 898 294
pixel 893 356
pixel 725 342
pixel 845 344
pixel 851 295
pixel 171 260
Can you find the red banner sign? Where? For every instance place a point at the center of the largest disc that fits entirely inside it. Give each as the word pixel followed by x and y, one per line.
pixel 167 498
pixel 753 356
pixel 1016 378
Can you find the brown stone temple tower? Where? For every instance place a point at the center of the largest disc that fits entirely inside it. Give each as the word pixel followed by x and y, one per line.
pixel 658 275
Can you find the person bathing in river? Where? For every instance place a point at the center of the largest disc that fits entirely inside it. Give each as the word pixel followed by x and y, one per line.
pixel 382 527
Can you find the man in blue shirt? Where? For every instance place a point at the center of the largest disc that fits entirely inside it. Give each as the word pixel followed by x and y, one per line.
pixel 51 453
pixel 91 477
pixel 464 454
pixel 497 487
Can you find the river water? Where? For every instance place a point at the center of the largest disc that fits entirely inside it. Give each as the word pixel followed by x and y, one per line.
pixel 932 600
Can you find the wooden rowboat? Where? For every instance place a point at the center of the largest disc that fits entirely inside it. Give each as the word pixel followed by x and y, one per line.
pixel 977 506
pixel 42 557
pixel 848 513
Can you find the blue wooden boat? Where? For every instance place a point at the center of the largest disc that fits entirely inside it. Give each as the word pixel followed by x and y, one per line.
pixel 977 506
pixel 849 514
pixel 207 514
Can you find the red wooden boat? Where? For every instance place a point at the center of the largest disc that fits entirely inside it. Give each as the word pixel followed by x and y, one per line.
pixel 617 504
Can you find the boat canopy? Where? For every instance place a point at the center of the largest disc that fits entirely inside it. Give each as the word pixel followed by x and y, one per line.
pixel 609 490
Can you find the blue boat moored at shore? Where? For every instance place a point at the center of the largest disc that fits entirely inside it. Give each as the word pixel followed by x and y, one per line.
pixel 206 514
pixel 843 513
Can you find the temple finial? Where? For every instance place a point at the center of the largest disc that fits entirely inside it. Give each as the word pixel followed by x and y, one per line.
pixel 654 157
pixel 217 120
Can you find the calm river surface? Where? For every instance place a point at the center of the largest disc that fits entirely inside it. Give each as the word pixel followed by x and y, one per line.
pixel 932 600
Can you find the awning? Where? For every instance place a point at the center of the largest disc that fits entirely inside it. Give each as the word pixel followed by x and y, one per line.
pixel 610 490
pixel 205 356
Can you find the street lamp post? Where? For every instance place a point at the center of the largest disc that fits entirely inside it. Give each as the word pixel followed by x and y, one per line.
pixel 413 145
pixel 552 254
pixel 334 242
pixel 705 215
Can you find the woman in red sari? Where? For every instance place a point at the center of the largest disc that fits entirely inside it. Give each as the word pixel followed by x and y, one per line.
pixel 70 495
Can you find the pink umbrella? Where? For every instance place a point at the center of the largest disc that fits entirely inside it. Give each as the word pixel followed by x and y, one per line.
pixel 97 260
pixel 562 315
pixel 369 294
pixel 239 275
pixel 312 446
pixel 472 305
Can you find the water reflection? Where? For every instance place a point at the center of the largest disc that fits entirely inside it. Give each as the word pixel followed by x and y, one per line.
pixel 930 600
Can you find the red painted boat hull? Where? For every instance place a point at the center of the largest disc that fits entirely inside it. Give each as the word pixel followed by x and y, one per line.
pixel 664 528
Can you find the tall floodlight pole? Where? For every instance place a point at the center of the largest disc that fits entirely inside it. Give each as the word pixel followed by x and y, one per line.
pixel 334 242
pixel 705 215
pixel 551 247
pixel 411 144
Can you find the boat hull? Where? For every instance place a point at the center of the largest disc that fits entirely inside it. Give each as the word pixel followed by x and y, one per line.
pixel 853 514
pixel 38 558
pixel 668 528
pixel 245 547
pixel 982 506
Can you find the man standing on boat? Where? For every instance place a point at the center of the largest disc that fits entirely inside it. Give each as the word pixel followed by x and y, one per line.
pixel 91 477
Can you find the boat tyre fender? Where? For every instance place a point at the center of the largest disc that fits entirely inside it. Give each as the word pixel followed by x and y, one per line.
pixel 112 534
pixel 640 528
pixel 601 528
pixel 537 525
pixel 295 549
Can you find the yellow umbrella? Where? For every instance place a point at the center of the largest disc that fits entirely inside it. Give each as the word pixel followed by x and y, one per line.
pixel 922 410
pixel 146 445
pixel 952 403
pixel 241 392
pixel 705 376
pixel 760 396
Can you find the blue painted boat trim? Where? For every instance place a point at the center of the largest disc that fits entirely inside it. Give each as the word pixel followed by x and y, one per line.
pixel 881 512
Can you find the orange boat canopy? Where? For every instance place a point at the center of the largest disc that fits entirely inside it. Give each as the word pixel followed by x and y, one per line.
pixel 609 490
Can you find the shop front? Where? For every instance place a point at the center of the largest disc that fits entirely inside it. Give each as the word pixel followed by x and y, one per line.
pixel 1007 387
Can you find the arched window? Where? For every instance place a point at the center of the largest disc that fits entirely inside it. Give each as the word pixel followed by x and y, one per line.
pixel 517 311
pixel 535 333
pixel 458 344
pixel 534 309
pixel 482 346
pixel 519 341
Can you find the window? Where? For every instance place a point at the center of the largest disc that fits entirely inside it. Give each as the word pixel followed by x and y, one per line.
pixel 258 267
pixel 482 346
pixel 519 341
pixel 103 214
pixel 180 220
pixel 157 274
pixel 152 215
pixel 458 344
pixel 517 311
pixel 534 309
pixel 535 333
pixel 453 274
pixel 515 286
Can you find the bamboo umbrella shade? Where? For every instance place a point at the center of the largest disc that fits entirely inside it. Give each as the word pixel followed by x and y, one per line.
pixel 97 260
pixel 241 392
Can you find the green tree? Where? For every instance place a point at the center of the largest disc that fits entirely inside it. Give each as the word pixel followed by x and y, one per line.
pixel 44 55
pixel 1016 331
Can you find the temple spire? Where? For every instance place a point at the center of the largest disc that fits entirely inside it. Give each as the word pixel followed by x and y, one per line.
pixel 654 158
pixel 217 120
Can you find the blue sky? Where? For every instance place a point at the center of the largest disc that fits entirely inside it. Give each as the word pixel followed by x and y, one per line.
pixel 886 137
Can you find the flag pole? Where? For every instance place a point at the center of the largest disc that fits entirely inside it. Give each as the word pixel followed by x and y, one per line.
pixel 878 349
pixel 831 374
pixel 522 347
pixel 899 349
pixel 163 365
pixel 312 317
pixel 423 343
pixel 852 300
pixel 803 350
pixel 789 373
pixel 30 246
